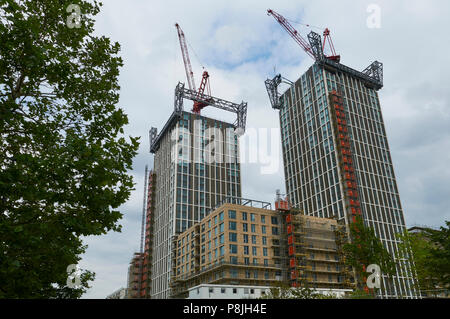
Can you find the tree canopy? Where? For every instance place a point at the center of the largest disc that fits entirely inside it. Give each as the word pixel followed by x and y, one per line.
pixel 364 249
pixel 64 156
pixel 429 251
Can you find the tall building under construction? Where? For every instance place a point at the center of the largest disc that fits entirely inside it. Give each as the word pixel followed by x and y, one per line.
pixel 196 165
pixel 335 150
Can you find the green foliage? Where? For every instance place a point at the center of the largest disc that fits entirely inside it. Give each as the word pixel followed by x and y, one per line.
pixel 365 249
pixel 359 294
pixel 284 291
pixel 430 252
pixel 63 156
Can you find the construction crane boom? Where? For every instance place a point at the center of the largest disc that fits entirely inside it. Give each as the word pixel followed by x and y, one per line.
pixel 186 60
pixel 314 48
pixel 294 33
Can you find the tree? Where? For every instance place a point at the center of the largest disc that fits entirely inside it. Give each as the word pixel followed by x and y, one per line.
pixel 365 249
pixel 63 154
pixel 359 294
pixel 429 251
pixel 284 291
pixel 440 253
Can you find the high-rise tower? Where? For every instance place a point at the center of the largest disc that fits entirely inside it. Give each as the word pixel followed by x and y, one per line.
pixel 196 165
pixel 336 154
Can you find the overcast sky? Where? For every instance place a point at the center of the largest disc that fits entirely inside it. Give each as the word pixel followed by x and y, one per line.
pixel 241 46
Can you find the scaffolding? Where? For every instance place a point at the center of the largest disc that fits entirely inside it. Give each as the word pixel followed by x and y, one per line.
pixel 345 153
pixel 310 244
pixel 148 248
pixel 347 273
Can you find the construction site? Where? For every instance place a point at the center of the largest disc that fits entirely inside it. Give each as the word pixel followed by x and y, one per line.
pixel 198 230
pixel 246 245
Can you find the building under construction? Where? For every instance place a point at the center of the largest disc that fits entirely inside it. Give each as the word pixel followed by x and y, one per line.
pixel 335 149
pixel 246 243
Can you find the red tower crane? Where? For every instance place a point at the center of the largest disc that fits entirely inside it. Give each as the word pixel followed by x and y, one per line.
pixel 204 85
pixel 312 52
pixel 333 56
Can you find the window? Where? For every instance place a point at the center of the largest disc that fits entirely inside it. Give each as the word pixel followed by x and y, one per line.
pixel 264 240
pixel 209 235
pixel 221 228
pixel 264 251
pixel 266 275
pixel 215 220
pixel 253 239
pixel 274 220
pixel 246 260
pixel 252 291
pixel 274 230
pixel 233 249
pixel 245 238
pixel 232 214
pixel 221 239
pixel 215 231
pixel 223 290
pixel 221 216
pixel 263 219
pixel 254 250
pixel 233 260
pixel 209 223
pixel 235 290
pixel 233 274
pixel 222 250
pixel 263 228
pixel 253 228
pixel 252 217
pixel 211 290
pixel 245 250
pixel 255 274
pixel 232 226
pixel 233 237
pixel 244 216
pixel 266 262
pixel 245 227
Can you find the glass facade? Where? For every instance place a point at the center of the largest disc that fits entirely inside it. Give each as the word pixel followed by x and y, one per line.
pixel 196 166
pixel 311 161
